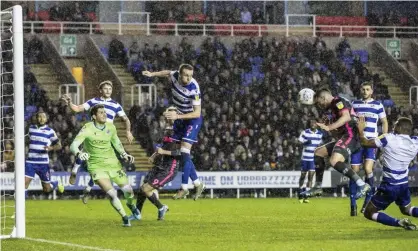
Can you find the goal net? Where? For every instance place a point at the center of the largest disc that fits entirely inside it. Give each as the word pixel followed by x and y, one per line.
pixel 300 25
pixel 12 134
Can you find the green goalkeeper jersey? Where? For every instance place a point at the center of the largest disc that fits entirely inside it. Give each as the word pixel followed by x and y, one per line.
pixel 98 144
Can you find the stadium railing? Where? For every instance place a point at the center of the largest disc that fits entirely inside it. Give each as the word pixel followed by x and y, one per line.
pixel 219 29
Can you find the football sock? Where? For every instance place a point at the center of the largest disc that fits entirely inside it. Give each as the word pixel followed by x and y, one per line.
pixel 91 183
pixel 319 172
pixel 128 193
pixel 385 219
pixel 352 188
pixel 186 164
pixel 77 165
pixel 369 180
pixel 141 197
pixel 115 202
pixel 155 201
pixel 413 211
pixel 346 170
pixel 54 185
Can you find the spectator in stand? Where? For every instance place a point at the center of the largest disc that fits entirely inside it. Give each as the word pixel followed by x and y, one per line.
pixel 117 53
pixel 343 47
pixel 258 16
pixel 56 13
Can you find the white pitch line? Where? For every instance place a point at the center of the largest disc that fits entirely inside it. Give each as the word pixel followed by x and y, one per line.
pixel 70 244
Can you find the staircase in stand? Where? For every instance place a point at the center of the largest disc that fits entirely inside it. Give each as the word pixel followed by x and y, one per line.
pixel 47 79
pixel 135 149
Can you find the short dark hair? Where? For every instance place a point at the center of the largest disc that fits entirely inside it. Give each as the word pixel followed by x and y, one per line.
pixel 320 91
pixel 106 82
pixel 94 109
pixel 185 66
pixel 367 83
pixel 404 126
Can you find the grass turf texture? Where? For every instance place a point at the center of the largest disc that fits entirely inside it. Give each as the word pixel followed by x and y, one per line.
pixel 224 224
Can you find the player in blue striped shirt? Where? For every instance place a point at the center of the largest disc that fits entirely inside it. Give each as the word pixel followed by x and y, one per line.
pixel 112 109
pixel 186 98
pixel 311 138
pixel 42 139
pixel 373 111
pixel 398 150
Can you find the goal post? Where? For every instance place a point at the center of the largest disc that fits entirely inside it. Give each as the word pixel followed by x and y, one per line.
pixel 121 14
pixel 305 21
pixel 12 84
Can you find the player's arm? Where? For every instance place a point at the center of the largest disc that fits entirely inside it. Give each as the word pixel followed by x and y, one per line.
pixel 383 119
pixel 165 73
pixel 75 108
pixel 170 153
pixel 197 110
pixel 302 139
pixel 79 139
pixel 363 140
pixel 118 145
pixel 125 118
pixel 55 143
pixel 345 117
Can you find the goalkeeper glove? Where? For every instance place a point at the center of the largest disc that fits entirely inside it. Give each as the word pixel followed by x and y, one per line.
pixel 128 157
pixel 83 156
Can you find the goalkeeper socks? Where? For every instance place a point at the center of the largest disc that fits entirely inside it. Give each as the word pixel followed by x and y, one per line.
pixel 128 193
pixel 347 171
pixel 385 219
pixel 155 201
pixel 141 197
pixel 115 202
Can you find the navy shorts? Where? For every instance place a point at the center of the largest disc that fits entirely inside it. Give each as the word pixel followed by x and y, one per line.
pixel 364 153
pixel 307 166
pixel 42 170
pixel 387 193
pixel 187 130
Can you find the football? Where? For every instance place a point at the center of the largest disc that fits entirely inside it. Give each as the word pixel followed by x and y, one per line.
pixel 306 96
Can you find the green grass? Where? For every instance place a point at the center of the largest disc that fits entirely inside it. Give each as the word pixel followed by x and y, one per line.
pixel 223 224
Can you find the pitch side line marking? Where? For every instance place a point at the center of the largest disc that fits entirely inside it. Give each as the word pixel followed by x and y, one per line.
pixel 70 244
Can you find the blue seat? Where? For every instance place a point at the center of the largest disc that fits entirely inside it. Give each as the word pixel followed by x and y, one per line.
pixel 105 52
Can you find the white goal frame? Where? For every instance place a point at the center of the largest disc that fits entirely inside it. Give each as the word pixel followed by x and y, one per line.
pixel 19 230
pixel 301 15
pixel 121 13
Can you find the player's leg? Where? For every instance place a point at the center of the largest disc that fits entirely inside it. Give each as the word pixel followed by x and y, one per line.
pixel 341 152
pixel 356 160
pixel 45 176
pixel 311 173
pixel 29 175
pixel 103 180
pixel 384 196
pixel 369 159
pixel 302 181
pixel 146 192
pixel 190 132
pixel 121 179
pixel 403 201
pixel 320 154
pixel 78 162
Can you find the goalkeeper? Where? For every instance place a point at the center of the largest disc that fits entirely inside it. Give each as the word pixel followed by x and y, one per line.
pixel 104 167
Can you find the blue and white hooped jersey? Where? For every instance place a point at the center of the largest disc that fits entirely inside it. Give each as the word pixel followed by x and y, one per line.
pixel 398 152
pixel 39 137
pixel 112 107
pixel 184 96
pixel 315 138
pixel 372 111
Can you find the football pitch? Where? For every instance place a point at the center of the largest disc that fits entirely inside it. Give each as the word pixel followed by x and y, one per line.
pixel 218 224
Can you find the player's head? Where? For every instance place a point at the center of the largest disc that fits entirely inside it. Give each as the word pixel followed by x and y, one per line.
pixel 106 88
pixel 98 113
pixel 186 73
pixel 41 118
pixel 366 90
pixel 323 98
pixel 312 123
pixel 403 126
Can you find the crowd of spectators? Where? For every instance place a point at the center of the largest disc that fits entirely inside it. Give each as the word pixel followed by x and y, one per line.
pixel 254 125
